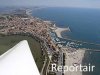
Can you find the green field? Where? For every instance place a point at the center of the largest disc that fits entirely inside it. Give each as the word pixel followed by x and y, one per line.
pixel 7 42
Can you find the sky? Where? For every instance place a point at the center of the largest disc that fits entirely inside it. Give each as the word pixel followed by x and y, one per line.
pixel 52 3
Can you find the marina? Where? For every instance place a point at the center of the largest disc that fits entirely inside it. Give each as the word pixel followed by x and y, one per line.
pixel 72 43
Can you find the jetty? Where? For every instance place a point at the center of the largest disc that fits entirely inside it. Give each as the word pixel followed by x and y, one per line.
pixel 58 31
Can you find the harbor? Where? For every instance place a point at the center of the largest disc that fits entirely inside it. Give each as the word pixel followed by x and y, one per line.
pixel 56 35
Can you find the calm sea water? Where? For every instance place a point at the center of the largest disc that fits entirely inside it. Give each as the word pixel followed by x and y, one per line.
pixel 84 25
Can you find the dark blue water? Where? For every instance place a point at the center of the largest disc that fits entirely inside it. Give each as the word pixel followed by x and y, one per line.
pixel 84 25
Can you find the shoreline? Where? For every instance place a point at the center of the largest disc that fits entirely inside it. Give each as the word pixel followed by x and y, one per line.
pixel 73 56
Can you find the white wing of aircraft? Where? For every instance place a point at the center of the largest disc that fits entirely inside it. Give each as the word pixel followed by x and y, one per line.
pixel 18 61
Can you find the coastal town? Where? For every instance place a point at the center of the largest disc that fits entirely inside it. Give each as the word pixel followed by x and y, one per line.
pixel 48 34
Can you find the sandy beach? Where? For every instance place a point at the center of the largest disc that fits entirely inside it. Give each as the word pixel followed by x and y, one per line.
pixel 73 58
pixel 59 30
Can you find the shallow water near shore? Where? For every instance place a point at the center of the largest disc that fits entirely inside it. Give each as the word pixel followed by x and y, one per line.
pixel 84 25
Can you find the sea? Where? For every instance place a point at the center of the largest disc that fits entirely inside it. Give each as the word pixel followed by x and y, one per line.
pixel 84 24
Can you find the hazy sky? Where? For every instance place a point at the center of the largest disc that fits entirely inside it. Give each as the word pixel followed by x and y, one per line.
pixel 60 3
